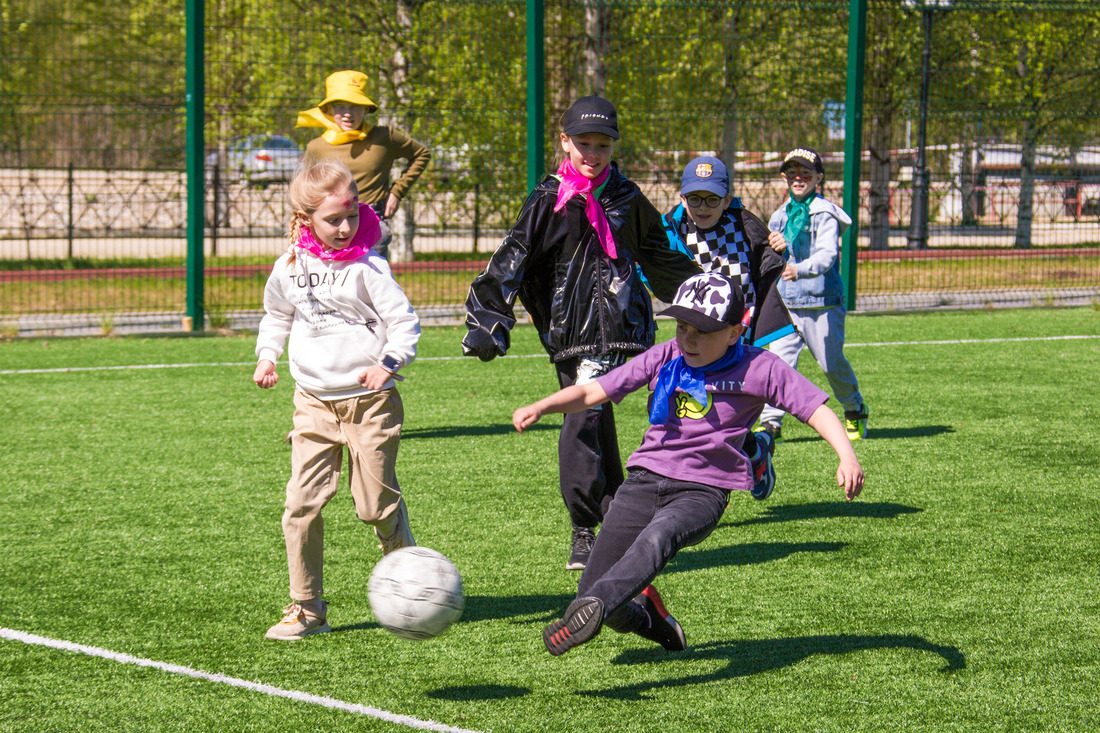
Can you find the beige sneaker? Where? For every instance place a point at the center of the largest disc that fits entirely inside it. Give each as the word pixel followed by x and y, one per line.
pixel 300 621
pixel 402 534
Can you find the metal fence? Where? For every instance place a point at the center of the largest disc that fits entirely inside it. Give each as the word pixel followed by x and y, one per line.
pixel 985 114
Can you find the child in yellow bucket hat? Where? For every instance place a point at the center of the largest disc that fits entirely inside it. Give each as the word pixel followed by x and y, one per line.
pixel 369 151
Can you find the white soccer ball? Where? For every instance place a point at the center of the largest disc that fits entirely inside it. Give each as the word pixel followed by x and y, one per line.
pixel 416 593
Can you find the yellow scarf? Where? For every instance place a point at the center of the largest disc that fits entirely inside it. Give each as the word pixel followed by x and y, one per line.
pixel 334 134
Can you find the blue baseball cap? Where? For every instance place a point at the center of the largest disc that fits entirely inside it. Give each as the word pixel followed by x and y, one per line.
pixel 706 173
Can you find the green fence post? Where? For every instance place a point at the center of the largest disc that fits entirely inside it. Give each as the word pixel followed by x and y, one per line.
pixel 853 143
pixel 195 90
pixel 536 94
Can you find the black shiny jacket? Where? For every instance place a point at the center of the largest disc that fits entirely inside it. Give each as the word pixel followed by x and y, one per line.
pixel 582 302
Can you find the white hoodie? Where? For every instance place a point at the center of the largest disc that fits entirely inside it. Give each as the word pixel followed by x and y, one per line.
pixel 341 317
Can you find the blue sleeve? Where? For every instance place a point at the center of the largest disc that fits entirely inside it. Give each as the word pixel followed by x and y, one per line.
pixel 671 221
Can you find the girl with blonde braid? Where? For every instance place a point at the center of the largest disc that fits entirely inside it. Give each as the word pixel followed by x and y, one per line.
pixel 350 329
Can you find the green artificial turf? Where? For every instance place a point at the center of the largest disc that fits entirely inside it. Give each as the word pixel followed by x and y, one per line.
pixel 140 515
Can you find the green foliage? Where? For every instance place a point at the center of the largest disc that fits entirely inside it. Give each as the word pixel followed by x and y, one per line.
pixel 141 516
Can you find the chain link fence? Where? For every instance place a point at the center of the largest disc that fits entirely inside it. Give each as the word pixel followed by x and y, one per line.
pixel 983 113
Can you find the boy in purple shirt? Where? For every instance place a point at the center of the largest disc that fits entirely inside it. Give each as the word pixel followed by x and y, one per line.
pixel 708 390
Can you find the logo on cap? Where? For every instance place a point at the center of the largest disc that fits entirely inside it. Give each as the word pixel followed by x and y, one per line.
pixel 704 170
pixel 802 153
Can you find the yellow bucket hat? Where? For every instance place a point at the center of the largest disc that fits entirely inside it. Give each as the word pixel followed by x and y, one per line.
pixel 348 86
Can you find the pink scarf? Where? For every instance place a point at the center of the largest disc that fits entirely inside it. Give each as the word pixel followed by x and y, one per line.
pixel 573 183
pixel 368 234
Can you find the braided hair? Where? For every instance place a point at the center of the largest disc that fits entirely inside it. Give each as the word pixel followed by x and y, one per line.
pixel 311 183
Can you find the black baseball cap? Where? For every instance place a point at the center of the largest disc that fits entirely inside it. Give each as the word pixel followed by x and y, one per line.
pixel 805 156
pixel 591 114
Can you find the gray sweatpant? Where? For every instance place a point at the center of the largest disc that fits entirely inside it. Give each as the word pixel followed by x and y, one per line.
pixel 821 330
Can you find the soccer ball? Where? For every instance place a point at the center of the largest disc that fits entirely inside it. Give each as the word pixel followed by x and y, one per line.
pixel 415 593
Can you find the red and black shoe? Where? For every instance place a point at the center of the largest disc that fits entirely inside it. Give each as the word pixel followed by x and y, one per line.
pixel 583 620
pixel 662 628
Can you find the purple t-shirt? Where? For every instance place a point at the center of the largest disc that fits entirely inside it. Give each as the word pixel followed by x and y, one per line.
pixel 704 443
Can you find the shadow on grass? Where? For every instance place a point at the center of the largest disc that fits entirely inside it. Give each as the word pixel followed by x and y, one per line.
pixel 827 510
pixel 468 693
pixel 752 553
pixel 470 430
pixel 515 609
pixel 749 657
pixel 920 431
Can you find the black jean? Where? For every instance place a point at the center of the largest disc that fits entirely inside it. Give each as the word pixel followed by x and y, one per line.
pixel 651 518
pixel 589 467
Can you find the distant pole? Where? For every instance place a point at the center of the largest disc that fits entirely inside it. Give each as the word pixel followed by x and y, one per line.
pixel 918 219
pixel 536 95
pixel 195 91
pixel 69 185
pixel 853 144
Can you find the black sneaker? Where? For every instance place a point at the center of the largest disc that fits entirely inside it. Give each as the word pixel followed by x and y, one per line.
pixel 662 628
pixel 583 538
pixel 583 620
pixel 763 468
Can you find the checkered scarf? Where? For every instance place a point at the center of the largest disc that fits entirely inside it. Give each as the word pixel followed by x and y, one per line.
pixel 724 249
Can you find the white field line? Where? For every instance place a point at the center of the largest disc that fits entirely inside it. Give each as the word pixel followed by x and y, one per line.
pixel 305 697
pixel 951 342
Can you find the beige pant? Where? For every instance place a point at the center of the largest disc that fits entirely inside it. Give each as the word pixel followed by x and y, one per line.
pixel 370 427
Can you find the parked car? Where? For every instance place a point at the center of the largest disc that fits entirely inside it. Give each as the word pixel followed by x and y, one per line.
pixel 257 159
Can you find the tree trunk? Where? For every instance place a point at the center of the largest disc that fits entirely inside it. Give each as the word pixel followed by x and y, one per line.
pixel 1024 210
pixel 727 146
pixel 403 221
pixel 597 45
pixel 879 176
pixel 966 183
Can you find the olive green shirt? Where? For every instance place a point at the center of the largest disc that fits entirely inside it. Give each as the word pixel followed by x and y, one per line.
pixel 371 159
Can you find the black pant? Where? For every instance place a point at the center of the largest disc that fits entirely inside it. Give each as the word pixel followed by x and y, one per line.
pixel 383 245
pixel 589 467
pixel 650 520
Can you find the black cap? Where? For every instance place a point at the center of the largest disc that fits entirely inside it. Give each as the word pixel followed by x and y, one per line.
pixel 591 114
pixel 806 157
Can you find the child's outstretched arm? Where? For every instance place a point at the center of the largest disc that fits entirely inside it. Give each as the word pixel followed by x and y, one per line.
pixel 849 474
pixel 574 398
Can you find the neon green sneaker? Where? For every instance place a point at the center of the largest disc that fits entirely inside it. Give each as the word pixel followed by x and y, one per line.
pixel 771 429
pixel 855 423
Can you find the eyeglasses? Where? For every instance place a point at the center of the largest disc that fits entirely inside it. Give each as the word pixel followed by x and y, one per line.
pixel 344 108
pixel 709 201
pixel 801 175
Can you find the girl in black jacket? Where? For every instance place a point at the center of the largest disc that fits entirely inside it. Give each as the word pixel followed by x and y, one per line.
pixel 571 259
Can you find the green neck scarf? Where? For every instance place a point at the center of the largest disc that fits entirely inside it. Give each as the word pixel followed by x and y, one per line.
pixel 798 213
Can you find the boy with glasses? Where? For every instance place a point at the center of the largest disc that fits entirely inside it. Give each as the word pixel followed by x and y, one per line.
pixel 712 226
pixel 807 230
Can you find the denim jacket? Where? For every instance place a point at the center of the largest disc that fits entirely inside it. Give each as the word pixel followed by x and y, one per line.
pixel 815 254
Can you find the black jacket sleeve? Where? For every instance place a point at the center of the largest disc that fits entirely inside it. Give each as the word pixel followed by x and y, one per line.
pixel 490 305
pixel 771 314
pixel 664 268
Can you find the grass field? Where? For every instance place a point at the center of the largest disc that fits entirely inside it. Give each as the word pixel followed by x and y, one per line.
pixel 143 488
